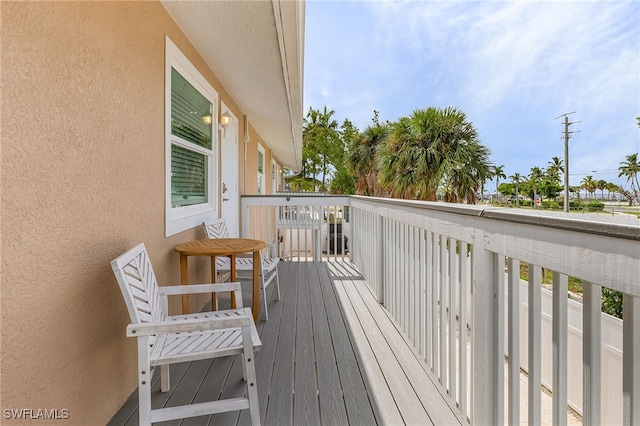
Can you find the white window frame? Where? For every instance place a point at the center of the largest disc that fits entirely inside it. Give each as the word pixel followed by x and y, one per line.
pixel 178 219
pixel 274 176
pixel 261 188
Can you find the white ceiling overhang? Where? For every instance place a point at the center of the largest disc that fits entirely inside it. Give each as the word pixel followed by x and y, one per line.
pixel 256 49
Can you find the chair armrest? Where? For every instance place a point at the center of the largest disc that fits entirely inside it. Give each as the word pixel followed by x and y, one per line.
pixel 152 328
pixel 198 288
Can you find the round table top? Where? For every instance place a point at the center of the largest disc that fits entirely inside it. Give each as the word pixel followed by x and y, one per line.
pixel 220 246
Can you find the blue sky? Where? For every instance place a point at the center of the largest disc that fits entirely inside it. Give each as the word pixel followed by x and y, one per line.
pixel 512 67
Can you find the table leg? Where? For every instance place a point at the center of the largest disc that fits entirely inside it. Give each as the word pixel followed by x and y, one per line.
pixel 184 280
pixel 256 285
pixel 214 297
pixel 232 278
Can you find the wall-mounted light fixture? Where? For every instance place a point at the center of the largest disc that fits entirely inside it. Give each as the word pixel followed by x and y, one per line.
pixel 225 120
pixel 206 119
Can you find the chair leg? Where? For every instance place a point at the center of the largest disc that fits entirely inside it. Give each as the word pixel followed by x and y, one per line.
pixel 244 370
pixel 249 364
pixel 264 297
pixel 144 382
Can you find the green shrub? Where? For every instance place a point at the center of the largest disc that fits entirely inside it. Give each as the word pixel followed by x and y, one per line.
pixel 573 204
pixel 594 206
pixel 612 302
pixel 550 204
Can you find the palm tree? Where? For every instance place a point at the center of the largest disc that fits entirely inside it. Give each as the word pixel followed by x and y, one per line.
pixel 589 185
pixel 321 144
pixel 430 149
pixel 498 172
pixel 601 185
pixel 611 187
pixel 536 175
pixel 515 178
pixel 466 173
pixel 554 169
pixel 630 169
pixel 361 159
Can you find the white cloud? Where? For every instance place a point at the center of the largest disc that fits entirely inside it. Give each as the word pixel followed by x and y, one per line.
pixel 511 66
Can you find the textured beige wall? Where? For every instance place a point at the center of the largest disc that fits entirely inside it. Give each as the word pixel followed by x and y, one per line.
pixel 83 172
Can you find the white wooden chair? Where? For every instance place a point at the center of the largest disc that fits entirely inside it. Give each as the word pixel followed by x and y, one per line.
pixel 164 340
pixel 268 266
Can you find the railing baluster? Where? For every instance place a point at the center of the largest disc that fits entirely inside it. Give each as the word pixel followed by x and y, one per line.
pixel 535 358
pixel 453 283
pixel 378 245
pixel 422 291
pixel 591 353
pixel 417 288
pixel 464 368
pixel 499 326
pixel 630 367
pixel 408 258
pixel 401 315
pixel 560 297
pixel 443 321
pixel 435 272
pixel 428 235
pixel 514 340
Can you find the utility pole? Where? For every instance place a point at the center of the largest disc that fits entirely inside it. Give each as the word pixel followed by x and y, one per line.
pixel 567 135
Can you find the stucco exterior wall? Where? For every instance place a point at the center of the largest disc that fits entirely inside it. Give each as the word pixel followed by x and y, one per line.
pixel 83 174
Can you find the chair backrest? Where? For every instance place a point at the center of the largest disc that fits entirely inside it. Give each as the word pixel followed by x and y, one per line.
pixel 138 285
pixel 216 229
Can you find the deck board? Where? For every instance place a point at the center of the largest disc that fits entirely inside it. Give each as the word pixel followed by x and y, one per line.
pixel 330 393
pixel 280 402
pixel 309 370
pixel 355 396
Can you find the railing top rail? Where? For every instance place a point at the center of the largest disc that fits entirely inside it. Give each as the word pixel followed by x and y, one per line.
pixel 294 199
pixel 592 223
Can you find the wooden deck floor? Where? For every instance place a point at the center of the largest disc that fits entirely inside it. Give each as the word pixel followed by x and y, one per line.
pixel 307 369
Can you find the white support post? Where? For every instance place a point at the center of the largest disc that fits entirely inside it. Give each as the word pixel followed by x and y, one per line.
pixel 560 297
pixel 630 367
pixel 483 334
pixel 591 354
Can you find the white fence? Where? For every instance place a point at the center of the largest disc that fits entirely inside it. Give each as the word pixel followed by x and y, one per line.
pixel 426 260
pixel 302 227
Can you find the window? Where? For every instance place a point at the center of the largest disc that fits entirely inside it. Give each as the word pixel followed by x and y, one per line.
pixel 190 105
pixel 261 183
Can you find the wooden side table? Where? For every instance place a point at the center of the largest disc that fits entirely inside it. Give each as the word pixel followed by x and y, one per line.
pixel 229 247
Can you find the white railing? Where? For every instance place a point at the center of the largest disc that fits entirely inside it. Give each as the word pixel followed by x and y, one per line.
pixel 425 261
pixel 301 227
pixel 442 271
